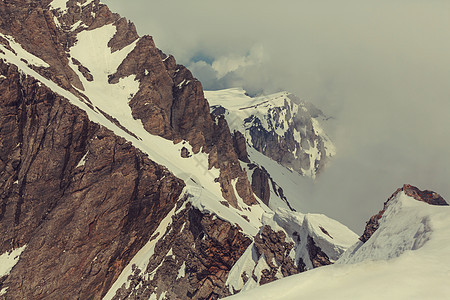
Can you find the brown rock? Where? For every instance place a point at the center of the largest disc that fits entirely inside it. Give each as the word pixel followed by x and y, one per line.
pixel 83 200
pixel 317 256
pixel 240 147
pixel 260 185
pixel 207 247
pixel 276 251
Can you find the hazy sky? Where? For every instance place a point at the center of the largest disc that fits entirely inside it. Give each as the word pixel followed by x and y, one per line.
pixel 380 68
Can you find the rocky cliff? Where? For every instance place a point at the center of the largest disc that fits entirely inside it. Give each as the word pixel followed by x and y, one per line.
pixel 81 199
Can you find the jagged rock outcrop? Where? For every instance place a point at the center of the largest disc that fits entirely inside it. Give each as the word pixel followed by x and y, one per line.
pixel 83 200
pixel 260 185
pixel 240 147
pixel 426 196
pixel 263 184
pixel 275 249
pixel 191 260
pixel 170 103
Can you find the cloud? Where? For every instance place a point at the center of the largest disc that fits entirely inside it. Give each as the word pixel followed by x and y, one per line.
pixel 381 68
pixel 231 63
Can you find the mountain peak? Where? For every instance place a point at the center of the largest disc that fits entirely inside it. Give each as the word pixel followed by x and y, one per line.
pixel 425 196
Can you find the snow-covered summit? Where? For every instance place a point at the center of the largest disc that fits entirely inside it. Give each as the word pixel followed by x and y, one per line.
pixel 281 126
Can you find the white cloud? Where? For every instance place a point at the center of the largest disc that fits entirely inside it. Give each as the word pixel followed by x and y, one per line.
pixel 231 63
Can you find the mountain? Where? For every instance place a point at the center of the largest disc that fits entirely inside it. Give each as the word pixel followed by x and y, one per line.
pixel 273 130
pixel 280 126
pixel 117 181
pixel 405 256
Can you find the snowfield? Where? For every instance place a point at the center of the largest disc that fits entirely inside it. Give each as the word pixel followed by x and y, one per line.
pixel 406 258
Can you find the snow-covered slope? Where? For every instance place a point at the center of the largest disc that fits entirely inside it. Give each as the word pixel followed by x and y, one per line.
pixel 281 126
pixel 406 258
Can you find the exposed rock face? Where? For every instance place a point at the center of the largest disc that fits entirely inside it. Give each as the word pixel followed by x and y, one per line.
pixel 276 249
pixel 191 261
pixel 260 185
pixel 83 200
pixel 317 256
pixel 426 196
pixel 240 147
pixel 170 103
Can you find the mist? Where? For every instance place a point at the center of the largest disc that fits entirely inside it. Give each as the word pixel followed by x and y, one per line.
pixel 381 69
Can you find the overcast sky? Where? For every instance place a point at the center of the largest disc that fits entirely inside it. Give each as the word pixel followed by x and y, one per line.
pixel 380 68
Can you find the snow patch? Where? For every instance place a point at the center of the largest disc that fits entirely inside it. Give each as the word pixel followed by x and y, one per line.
pixel 82 161
pixel 244 265
pixel 162 296
pixel 182 271
pixel 9 259
pixel 60 5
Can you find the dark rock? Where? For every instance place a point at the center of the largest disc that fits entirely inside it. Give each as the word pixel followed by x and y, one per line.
pixel 426 196
pixel 260 185
pixel 317 256
pixel 185 153
pixel 276 251
pixel 239 144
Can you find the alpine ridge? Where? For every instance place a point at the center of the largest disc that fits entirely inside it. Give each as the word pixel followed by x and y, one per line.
pixel 405 257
